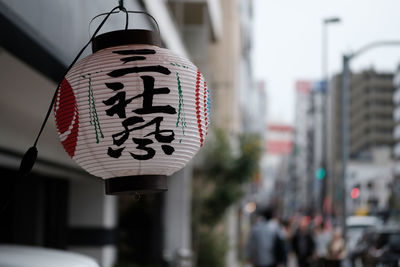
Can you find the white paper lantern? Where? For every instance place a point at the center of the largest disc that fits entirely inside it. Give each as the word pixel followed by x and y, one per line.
pixel 132 113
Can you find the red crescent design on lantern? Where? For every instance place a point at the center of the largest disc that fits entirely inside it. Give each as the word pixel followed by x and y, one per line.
pixel 67 117
pixel 198 107
pixel 205 107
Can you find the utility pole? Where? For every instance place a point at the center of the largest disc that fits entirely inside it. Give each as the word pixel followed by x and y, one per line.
pixel 322 161
pixel 345 138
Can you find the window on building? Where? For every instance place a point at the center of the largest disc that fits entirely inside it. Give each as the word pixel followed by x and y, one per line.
pixel 370 185
pixel 373 203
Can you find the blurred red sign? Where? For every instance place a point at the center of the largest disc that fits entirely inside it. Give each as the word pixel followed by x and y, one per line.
pixel 279 147
pixel 303 86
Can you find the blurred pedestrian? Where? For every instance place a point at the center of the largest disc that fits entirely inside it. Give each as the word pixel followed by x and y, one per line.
pixel 322 237
pixel 336 252
pixel 265 247
pixel 287 235
pixel 303 244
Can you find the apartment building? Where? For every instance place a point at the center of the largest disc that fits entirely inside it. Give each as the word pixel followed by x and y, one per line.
pixel 370 122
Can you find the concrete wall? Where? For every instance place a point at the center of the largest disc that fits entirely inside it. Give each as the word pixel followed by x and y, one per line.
pixel 225 70
pixel 91 210
pixel 62 27
pixel 177 214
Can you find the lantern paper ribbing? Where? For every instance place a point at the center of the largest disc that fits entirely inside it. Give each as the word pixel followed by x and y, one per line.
pixel 132 110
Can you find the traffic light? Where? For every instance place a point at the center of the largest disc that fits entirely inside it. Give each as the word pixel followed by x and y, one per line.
pixel 320 174
pixel 355 193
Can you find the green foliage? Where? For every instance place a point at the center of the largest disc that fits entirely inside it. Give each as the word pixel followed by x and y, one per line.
pixel 227 171
pixel 211 250
pixel 217 186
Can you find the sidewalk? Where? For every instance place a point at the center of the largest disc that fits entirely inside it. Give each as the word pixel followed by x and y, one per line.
pixel 291 260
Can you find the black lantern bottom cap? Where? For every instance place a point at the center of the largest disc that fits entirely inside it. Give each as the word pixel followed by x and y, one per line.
pixel 140 184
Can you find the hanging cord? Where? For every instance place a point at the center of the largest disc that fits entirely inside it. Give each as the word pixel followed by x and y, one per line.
pixel 30 156
pixel 122 8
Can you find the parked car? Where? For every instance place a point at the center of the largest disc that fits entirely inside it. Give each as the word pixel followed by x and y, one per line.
pixel 379 247
pixel 360 249
pixel 356 225
pixel 26 256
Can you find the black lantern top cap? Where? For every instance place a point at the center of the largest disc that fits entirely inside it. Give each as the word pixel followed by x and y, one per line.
pixel 125 37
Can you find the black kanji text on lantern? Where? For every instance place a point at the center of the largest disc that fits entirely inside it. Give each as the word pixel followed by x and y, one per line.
pixel 118 106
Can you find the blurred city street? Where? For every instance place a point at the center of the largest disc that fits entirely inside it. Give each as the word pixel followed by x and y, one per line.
pixel 200 133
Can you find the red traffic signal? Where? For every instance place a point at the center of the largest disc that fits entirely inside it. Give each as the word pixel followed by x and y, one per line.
pixel 355 193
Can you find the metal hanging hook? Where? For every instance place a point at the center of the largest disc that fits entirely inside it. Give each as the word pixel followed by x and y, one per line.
pixel 122 8
pixel 121 4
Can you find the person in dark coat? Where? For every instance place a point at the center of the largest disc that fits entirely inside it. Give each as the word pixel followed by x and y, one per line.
pixel 303 245
pixel 265 247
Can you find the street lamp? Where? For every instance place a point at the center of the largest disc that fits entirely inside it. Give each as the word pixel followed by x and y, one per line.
pixel 322 161
pixel 326 22
pixel 345 115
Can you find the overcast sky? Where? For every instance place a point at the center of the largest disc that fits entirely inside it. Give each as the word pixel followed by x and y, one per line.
pixel 287 43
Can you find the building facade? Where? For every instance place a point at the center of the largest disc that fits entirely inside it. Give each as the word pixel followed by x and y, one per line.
pixel 370 122
pixel 61 206
pixel 303 145
pixel 234 89
pixel 276 173
pixel 309 152
pixel 369 184
pixel 396 135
